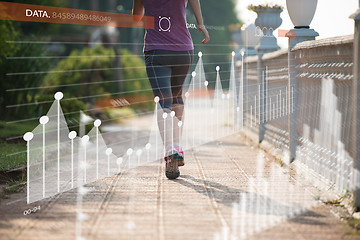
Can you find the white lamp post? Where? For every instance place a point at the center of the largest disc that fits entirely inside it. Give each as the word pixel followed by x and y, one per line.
pixel 301 13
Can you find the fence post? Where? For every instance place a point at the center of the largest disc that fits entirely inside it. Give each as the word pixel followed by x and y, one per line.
pixel 262 97
pixel 243 89
pixel 356 107
pixel 267 45
pixel 295 36
pixel 250 40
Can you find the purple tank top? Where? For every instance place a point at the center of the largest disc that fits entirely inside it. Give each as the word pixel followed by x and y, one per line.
pixel 170 32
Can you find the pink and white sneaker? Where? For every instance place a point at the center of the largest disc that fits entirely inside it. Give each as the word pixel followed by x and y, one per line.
pixel 181 161
pixel 172 159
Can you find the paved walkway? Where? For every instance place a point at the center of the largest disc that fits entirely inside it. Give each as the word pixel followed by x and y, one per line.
pixel 203 203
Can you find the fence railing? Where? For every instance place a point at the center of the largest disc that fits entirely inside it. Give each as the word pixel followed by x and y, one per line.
pixel 324 106
pixel 325 59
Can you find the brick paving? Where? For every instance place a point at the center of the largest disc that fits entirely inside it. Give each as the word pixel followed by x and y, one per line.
pixel 142 204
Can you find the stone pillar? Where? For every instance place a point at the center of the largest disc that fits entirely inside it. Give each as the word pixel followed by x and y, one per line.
pixel 250 40
pixel 295 36
pixel 243 88
pixel 263 48
pixel 268 19
pixel 356 109
pixel 245 52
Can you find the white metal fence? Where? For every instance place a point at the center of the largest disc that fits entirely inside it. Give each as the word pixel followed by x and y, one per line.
pixel 324 106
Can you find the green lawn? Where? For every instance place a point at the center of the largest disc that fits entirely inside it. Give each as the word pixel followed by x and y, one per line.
pixel 16 129
pixel 13 153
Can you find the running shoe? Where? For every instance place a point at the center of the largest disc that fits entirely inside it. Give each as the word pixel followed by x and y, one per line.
pixel 172 167
pixel 181 161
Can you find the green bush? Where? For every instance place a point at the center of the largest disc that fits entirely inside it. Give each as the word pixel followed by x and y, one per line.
pixel 97 77
pixel 97 80
pixel 67 78
pixel 120 114
pixel 135 75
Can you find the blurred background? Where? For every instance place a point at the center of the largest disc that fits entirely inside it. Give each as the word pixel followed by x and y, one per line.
pixel 99 69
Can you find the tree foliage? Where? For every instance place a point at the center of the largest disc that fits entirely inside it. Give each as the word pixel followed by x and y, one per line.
pixel 16 84
pixel 218 15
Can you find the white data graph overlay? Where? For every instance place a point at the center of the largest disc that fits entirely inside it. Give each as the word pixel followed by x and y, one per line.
pixel 55 154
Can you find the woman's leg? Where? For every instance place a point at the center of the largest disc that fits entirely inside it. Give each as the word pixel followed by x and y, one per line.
pixel 159 77
pixel 179 73
pixel 167 72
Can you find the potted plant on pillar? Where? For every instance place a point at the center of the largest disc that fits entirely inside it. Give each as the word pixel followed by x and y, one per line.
pixel 268 19
pixel 301 12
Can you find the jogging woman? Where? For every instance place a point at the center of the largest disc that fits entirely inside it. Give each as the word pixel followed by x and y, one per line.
pixel 168 57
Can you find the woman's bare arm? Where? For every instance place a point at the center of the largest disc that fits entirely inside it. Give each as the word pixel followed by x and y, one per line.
pixel 138 10
pixel 195 6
